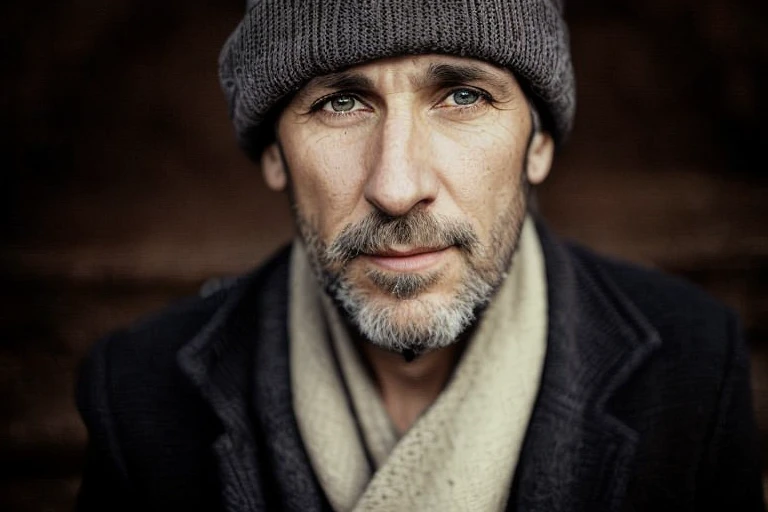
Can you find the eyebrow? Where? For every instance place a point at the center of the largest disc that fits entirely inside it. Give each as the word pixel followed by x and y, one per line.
pixel 343 80
pixel 437 75
pixel 444 74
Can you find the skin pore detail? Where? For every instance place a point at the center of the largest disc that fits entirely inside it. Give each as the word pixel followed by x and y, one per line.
pixel 408 179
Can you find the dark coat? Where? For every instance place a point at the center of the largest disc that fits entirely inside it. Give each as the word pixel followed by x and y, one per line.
pixel 644 402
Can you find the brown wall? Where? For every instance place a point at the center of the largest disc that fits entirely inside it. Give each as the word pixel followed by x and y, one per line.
pixel 123 188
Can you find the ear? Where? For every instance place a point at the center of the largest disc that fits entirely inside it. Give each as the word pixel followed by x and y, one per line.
pixel 540 153
pixel 273 168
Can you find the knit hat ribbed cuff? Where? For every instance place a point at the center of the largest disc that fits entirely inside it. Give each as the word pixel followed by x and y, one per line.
pixel 282 44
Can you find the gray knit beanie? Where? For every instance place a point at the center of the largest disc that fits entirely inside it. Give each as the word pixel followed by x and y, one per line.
pixel 281 44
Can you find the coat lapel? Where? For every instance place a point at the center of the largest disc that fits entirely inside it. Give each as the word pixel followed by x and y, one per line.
pixel 213 361
pixel 239 364
pixel 577 455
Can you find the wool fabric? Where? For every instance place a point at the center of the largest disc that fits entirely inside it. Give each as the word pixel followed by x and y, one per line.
pixel 281 44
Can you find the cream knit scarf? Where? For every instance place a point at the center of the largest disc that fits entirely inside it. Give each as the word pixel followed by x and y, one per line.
pixel 462 452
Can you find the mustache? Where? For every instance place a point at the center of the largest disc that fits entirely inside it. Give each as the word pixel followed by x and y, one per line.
pixel 378 231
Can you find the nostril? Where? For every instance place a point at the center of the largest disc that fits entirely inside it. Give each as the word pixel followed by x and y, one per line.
pixel 397 197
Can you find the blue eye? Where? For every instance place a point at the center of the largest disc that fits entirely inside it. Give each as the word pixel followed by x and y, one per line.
pixel 465 97
pixel 342 103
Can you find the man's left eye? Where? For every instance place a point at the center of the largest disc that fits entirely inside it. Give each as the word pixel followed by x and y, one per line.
pixel 465 96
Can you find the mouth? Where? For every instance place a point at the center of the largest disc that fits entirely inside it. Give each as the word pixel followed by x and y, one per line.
pixel 410 260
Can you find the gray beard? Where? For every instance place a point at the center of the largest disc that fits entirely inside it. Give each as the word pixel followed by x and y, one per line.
pixel 440 325
pixel 430 324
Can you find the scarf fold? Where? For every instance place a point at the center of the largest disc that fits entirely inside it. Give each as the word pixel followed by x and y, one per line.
pixel 461 453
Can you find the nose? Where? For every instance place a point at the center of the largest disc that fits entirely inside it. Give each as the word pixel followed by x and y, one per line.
pixel 401 174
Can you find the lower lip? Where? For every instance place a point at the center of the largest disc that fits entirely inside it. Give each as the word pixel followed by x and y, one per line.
pixel 412 263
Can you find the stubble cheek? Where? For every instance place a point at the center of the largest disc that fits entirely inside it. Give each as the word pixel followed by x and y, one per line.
pixel 487 188
pixel 329 184
pixel 484 175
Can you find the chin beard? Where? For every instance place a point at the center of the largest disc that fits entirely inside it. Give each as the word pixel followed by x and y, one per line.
pixel 403 321
pixel 395 311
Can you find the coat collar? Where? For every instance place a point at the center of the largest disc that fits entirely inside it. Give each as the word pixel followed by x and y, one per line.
pixel 576 456
pixel 246 383
pixel 212 362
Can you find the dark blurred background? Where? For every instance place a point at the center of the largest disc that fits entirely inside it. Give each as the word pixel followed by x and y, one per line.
pixel 122 187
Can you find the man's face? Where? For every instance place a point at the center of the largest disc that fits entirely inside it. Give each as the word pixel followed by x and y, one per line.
pixel 408 178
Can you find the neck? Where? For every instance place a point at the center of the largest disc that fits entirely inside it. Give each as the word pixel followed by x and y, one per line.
pixel 409 388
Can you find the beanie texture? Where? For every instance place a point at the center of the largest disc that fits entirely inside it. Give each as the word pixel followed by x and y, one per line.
pixel 281 44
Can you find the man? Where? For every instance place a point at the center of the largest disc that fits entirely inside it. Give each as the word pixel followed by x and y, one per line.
pixel 426 343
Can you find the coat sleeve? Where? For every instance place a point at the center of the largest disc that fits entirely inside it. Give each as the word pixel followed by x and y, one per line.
pixel 105 483
pixel 730 476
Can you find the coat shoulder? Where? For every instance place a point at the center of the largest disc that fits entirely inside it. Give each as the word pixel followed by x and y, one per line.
pixel 134 373
pixel 147 422
pixel 150 345
pixel 677 309
pixel 144 353
pixel 689 403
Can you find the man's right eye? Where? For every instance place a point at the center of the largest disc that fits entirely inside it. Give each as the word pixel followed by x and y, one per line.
pixel 339 104
pixel 344 103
